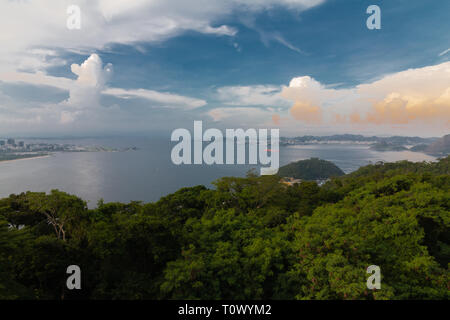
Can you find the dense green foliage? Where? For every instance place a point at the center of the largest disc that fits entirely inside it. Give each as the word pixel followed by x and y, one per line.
pixel 249 238
pixel 311 169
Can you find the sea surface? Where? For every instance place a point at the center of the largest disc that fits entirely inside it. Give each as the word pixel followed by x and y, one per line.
pixel 148 173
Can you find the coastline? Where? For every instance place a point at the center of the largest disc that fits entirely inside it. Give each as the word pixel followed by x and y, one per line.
pixel 28 158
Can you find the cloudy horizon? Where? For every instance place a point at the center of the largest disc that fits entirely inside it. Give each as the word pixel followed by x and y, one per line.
pixel 304 66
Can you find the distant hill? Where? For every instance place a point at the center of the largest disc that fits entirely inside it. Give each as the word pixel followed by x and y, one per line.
pixel 419 148
pixel 440 147
pixel 432 146
pixel 312 169
pixel 352 138
pixel 385 146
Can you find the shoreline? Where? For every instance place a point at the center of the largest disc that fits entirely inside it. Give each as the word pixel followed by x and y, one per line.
pixel 28 158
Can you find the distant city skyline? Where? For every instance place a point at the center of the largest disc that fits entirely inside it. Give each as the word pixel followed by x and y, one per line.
pixel 307 67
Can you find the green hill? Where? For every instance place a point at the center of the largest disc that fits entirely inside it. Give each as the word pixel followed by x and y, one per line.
pixel 312 169
pixel 384 146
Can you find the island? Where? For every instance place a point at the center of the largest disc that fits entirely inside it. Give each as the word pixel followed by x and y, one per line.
pixel 313 169
pixel 385 146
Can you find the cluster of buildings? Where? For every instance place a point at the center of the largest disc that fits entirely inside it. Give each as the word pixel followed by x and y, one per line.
pixel 11 144
pixel 303 141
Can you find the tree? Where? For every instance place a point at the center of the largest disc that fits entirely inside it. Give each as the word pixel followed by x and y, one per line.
pixel 60 210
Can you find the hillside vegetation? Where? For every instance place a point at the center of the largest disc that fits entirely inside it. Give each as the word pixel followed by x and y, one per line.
pixel 312 169
pixel 249 238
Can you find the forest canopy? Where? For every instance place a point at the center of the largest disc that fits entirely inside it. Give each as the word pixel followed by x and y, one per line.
pixel 311 169
pixel 247 238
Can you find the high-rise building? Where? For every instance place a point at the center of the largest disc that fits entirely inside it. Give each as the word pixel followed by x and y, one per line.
pixel 11 141
pixel 2 142
pixel 21 144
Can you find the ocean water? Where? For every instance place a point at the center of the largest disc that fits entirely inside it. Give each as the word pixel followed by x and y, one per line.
pixel 148 173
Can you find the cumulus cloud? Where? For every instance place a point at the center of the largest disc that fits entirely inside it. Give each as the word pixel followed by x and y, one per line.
pixel 91 72
pixel 84 91
pixel 411 97
pixel 84 98
pixel 40 38
pixel 399 109
pixel 307 112
pixel 91 79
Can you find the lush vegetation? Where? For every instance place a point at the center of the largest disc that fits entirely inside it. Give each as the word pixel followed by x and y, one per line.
pixel 249 238
pixel 311 169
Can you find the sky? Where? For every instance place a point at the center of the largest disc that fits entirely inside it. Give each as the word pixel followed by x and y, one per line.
pixel 151 66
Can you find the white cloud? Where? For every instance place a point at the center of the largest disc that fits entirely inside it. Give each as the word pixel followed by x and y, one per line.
pixel 267 4
pixel 268 36
pixel 84 97
pixel 35 35
pixel 241 116
pixel 42 24
pixel 91 79
pixel 407 99
pixel 444 52
pixel 163 98
pixel 91 72
pixel 38 79
pixel 68 117
pixel 259 95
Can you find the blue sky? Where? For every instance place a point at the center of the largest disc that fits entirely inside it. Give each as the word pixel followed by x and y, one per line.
pixel 235 62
